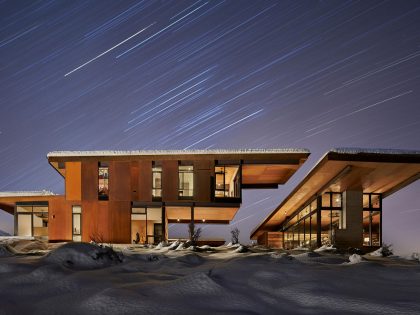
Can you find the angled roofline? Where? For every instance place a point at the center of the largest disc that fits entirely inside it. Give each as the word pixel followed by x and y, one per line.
pixel 349 154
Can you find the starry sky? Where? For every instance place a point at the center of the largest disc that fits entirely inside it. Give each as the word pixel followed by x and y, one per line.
pixel 100 74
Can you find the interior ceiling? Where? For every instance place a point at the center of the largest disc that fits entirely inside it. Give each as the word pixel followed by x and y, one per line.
pixel 267 173
pixel 370 177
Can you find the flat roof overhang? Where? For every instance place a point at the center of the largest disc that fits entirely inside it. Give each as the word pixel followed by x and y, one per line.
pixel 372 171
pixel 261 168
pixel 8 201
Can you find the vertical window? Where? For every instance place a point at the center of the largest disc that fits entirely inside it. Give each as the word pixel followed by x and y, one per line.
pixel 77 223
pixel 186 181
pixel 228 181
pixel 156 181
pixel 103 181
pixel 372 206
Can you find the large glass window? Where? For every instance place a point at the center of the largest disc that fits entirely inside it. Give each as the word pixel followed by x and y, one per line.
pixel 103 181
pixel 228 181
pixel 372 206
pixel 314 229
pixel 156 181
pixel 146 225
pixel 77 223
pixel 32 220
pixel 186 181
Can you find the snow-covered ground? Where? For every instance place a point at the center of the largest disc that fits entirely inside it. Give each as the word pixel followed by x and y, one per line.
pixel 39 278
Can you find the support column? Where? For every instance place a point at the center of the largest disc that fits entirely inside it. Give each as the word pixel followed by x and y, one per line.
pixel 352 233
pixel 192 221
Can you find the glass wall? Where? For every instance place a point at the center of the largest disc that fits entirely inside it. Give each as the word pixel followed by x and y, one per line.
pixel 146 225
pixel 32 220
pixel 77 223
pixel 186 181
pixel 228 181
pixel 156 181
pixel 103 181
pixel 302 228
pixel 372 225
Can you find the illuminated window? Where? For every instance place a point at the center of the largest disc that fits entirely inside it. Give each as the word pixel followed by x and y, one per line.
pixel 77 223
pixel 372 205
pixel 186 181
pixel 156 181
pixel 32 219
pixel 228 181
pixel 103 181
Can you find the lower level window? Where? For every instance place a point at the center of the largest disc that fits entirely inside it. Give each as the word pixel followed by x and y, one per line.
pixel 371 228
pixel 77 223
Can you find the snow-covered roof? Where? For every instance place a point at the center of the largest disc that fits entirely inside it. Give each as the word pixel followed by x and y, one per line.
pixel 373 151
pixel 32 193
pixel 171 152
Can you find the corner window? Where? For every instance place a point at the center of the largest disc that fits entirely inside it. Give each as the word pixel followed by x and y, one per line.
pixel 228 181
pixel 156 180
pixel 186 181
pixel 103 181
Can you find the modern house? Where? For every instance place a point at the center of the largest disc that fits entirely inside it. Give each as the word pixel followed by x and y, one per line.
pixel 113 195
pixel 340 201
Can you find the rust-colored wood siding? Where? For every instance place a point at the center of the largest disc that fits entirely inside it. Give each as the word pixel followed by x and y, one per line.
pixel 145 181
pixel 120 221
pixel 59 220
pixel 119 181
pixel 203 172
pixel 135 180
pixel 90 180
pixel 170 180
pixel 73 181
pixel 106 221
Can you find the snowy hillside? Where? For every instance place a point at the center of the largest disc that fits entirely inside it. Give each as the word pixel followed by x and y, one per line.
pixel 88 279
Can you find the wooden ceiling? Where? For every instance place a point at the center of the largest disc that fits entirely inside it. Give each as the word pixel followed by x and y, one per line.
pixel 371 173
pixel 256 174
pixel 208 214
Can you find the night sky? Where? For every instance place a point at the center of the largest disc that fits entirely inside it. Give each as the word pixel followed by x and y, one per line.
pixel 93 75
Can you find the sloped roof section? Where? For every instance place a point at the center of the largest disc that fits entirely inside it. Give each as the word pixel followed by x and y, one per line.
pixel 383 171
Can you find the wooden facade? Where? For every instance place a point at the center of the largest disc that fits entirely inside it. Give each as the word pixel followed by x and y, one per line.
pixel 129 184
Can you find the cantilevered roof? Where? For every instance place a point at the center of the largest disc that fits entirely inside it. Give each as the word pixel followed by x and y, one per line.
pixel 169 152
pixel 261 168
pixel 371 170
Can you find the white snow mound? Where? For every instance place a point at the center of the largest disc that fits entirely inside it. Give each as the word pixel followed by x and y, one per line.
pixel 355 259
pixel 84 256
pixel 325 248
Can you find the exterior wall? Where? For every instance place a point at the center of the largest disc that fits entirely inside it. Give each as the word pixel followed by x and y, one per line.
pixel 170 181
pixel 271 239
pixel 59 220
pixel 145 181
pixel 352 234
pixel 203 174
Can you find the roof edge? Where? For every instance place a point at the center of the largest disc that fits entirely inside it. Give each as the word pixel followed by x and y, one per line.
pixel 170 152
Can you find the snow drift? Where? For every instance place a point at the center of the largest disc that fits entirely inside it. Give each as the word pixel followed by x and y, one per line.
pixel 84 256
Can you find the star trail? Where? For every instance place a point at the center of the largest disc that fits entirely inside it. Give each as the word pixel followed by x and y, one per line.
pixel 121 75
